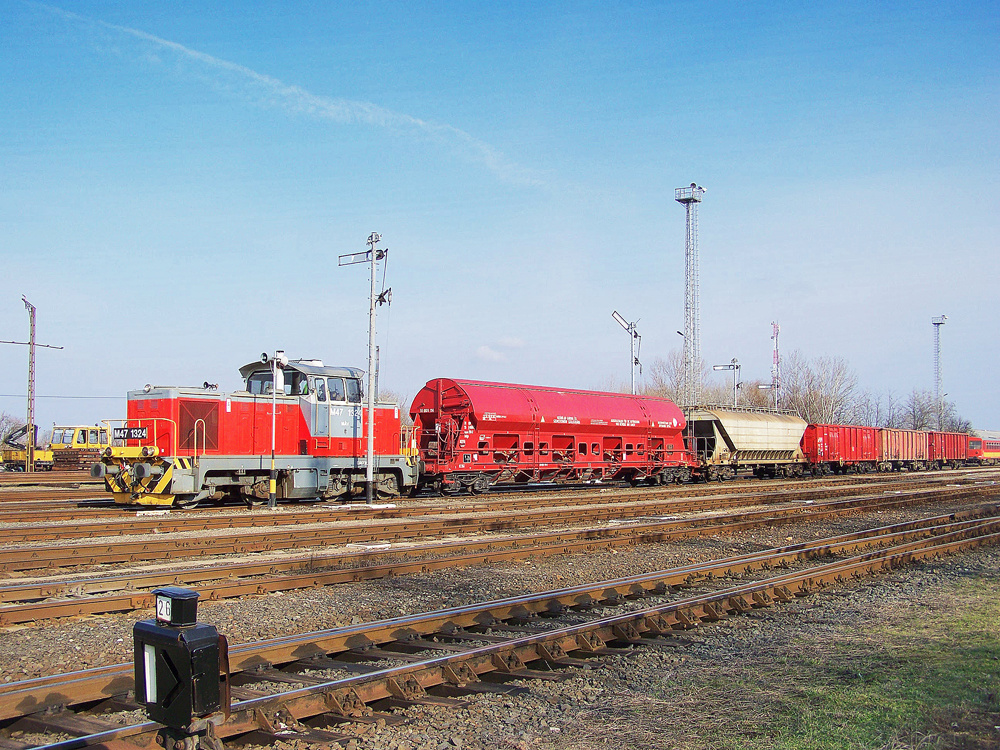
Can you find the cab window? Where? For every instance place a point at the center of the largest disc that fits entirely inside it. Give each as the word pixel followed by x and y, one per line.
pixel 319 388
pixel 81 437
pixel 67 438
pixel 93 437
pixel 337 392
pixel 104 437
pixel 259 384
pixel 354 390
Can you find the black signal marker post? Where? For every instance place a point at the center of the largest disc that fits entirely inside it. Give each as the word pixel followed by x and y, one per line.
pixel 178 668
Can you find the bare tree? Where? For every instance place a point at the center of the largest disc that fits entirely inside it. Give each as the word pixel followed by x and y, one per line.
pixel 666 380
pixel 751 394
pixel 919 411
pixel 666 376
pixel 820 391
pixel 9 423
pixel 402 401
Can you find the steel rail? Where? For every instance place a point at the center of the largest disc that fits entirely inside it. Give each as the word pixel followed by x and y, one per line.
pixel 30 696
pixel 47 511
pixel 17 534
pixel 27 602
pixel 38 557
pixel 39 601
pixel 347 699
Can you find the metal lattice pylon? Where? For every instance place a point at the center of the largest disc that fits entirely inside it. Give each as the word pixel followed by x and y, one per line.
pixel 938 398
pixel 691 391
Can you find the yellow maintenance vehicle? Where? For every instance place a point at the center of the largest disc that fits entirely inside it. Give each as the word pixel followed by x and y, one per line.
pixel 72 448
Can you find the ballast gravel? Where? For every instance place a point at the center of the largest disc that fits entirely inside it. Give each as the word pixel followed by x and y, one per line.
pixel 615 702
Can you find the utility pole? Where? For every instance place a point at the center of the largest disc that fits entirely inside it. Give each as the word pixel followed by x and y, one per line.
pixel 636 342
pixel 690 197
pixel 29 452
pixel 371 256
pixel 938 398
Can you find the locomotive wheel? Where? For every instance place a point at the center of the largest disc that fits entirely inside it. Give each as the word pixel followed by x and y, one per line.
pixel 186 501
pixel 480 485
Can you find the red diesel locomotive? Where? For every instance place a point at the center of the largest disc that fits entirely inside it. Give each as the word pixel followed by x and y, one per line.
pixel 183 445
pixel 472 435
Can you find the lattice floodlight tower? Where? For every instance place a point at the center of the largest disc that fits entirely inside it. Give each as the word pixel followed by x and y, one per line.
pixel 691 197
pixel 938 397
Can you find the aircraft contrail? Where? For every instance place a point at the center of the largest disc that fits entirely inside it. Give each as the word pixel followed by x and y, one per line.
pixel 296 100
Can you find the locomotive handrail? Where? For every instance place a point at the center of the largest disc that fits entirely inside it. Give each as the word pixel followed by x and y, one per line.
pixel 204 436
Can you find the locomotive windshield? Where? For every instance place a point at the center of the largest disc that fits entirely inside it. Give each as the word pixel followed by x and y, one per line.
pixel 345 389
pixel 260 384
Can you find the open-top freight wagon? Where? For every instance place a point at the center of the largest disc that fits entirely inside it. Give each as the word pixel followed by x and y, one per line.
pixel 473 435
pixel 843 448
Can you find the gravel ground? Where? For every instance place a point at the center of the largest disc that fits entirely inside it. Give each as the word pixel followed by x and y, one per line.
pixel 577 712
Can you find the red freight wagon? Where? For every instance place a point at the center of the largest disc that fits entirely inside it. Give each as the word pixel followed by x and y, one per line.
pixel 185 444
pixel 947 448
pixel 840 448
pixel 899 449
pixel 473 435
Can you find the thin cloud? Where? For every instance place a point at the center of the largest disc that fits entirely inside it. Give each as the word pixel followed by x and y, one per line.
pixel 511 342
pixel 269 91
pixel 488 354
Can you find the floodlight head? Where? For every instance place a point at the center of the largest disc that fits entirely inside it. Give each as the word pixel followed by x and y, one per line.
pixel 620 319
pixel 720 367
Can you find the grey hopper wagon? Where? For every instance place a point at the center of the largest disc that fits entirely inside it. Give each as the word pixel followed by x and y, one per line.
pixel 731 440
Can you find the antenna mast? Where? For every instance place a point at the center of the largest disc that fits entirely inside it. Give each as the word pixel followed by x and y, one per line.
pixel 691 197
pixel 938 397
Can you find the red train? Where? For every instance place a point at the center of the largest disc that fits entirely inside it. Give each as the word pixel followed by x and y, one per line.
pixel 179 445
pixel 472 435
pixel 984 448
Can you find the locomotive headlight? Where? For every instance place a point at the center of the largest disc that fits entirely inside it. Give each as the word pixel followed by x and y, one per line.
pixel 150 450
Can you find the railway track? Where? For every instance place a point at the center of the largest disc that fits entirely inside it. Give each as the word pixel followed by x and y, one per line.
pixel 18 505
pixel 147 520
pixel 29 557
pixel 290 687
pixel 51 599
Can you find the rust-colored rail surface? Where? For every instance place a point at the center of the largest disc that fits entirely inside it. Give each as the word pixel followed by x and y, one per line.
pixel 30 557
pixel 449 648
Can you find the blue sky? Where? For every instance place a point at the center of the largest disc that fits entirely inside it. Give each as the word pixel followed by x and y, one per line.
pixel 177 181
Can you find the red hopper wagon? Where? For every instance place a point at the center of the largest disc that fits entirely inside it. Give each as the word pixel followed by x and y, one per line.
pixel 472 435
